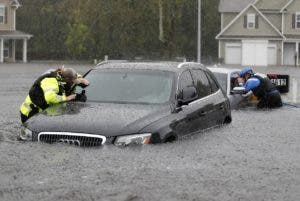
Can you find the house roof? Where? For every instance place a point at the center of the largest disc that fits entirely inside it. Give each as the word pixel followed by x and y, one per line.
pixel 233 5
pixel 271 5
pixel 15 3
pixel 239 5
pixel 14 34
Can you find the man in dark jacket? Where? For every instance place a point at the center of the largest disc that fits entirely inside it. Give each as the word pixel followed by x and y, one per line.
pixel 50 88
pixel 266 93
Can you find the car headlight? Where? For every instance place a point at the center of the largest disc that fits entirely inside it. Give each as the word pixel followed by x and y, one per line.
pixel 25 134
pixel 133 139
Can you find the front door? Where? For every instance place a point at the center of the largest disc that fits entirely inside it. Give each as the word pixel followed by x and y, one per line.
pixel 289 53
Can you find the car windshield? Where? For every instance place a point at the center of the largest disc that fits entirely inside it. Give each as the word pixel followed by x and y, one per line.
pixel 222 79
pixel 130 86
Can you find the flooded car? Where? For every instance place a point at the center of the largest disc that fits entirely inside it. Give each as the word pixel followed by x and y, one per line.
pixel 135 103
pixel 227 78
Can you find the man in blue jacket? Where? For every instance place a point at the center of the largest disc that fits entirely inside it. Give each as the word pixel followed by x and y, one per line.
pixel 266 93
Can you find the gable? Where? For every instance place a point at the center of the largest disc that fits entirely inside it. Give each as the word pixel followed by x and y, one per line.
pixel 236 29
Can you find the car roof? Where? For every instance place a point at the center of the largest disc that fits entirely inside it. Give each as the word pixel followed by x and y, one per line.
pixel 230 70
pixel 176 67
pixel 223 70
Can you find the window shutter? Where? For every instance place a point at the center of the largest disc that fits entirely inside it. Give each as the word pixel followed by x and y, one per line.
pixel 294 21
pixel 256 21
pixel 245 21
pixel 5 15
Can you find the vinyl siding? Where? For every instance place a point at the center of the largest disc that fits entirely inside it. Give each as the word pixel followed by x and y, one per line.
pixel 275 19
pixel 10 16
pixel 291 9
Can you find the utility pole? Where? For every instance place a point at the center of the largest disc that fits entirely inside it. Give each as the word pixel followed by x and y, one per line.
pixel 199 32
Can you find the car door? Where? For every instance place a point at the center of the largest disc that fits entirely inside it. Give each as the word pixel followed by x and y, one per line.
pixel 206 101
pixel 187 118
pixel 219 100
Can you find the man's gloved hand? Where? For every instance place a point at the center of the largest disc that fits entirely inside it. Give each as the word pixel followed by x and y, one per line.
pixel 81 97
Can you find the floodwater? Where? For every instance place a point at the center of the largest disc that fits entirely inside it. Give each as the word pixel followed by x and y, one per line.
pixel 256 157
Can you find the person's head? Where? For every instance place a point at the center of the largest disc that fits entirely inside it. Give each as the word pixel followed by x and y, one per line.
pixel 68 75
pixel 246 73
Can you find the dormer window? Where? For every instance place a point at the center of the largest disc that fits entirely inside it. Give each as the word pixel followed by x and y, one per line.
pixel 2 14
pixel 250 21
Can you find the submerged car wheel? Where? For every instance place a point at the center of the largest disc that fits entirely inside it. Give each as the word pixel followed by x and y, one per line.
pixel 227 120
pixel 170 138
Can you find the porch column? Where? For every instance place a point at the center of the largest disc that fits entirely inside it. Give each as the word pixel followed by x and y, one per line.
pixel 25 50
pixel 13 50
pixel 1 50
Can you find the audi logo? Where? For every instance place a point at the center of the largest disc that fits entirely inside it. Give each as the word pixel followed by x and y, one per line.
pixel 67 141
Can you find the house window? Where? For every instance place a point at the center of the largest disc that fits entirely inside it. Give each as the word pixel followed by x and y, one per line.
pixel 297 20
pixel 2 14
pixel 251 21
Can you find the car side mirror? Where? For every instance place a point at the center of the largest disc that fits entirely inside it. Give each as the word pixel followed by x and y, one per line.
pixel 187 95
pixel 238 90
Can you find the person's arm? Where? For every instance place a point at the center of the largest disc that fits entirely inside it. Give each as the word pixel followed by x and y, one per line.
pixel 51 89
pixel 251 84
pixel 81 80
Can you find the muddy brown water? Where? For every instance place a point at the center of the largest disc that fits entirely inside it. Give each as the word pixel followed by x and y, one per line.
pixel 256 157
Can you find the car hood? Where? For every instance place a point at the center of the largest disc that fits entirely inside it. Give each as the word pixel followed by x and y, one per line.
pixel 97 118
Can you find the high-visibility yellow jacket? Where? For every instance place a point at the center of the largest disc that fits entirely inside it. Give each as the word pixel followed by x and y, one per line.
pixel 46 90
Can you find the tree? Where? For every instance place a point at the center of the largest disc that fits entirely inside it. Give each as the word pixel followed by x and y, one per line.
pixel 77 37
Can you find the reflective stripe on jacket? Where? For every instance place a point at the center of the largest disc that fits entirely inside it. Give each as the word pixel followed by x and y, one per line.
pixel 27 107
pixel 52 92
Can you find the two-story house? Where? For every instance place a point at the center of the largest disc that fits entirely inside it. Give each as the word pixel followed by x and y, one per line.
pixel 8 33
pixel 259 32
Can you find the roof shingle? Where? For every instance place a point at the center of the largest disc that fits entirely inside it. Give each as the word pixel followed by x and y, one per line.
pixel 233 5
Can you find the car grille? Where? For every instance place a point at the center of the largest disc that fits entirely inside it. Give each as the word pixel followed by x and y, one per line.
pixel 79 139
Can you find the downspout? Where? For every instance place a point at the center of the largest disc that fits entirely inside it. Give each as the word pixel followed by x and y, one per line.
pixel 219 51
pixel 282 42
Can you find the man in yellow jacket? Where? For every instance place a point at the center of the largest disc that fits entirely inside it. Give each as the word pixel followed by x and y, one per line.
pixel 50 88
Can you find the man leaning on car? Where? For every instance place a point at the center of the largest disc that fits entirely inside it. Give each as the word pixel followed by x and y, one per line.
pixel 267 94
pixel 51 88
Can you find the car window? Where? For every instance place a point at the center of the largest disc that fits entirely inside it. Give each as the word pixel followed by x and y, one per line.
pixel 212 81
pixel 201 82
pixel 234 80
pixel 185 80
pixel 222 80
pixel 130 86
